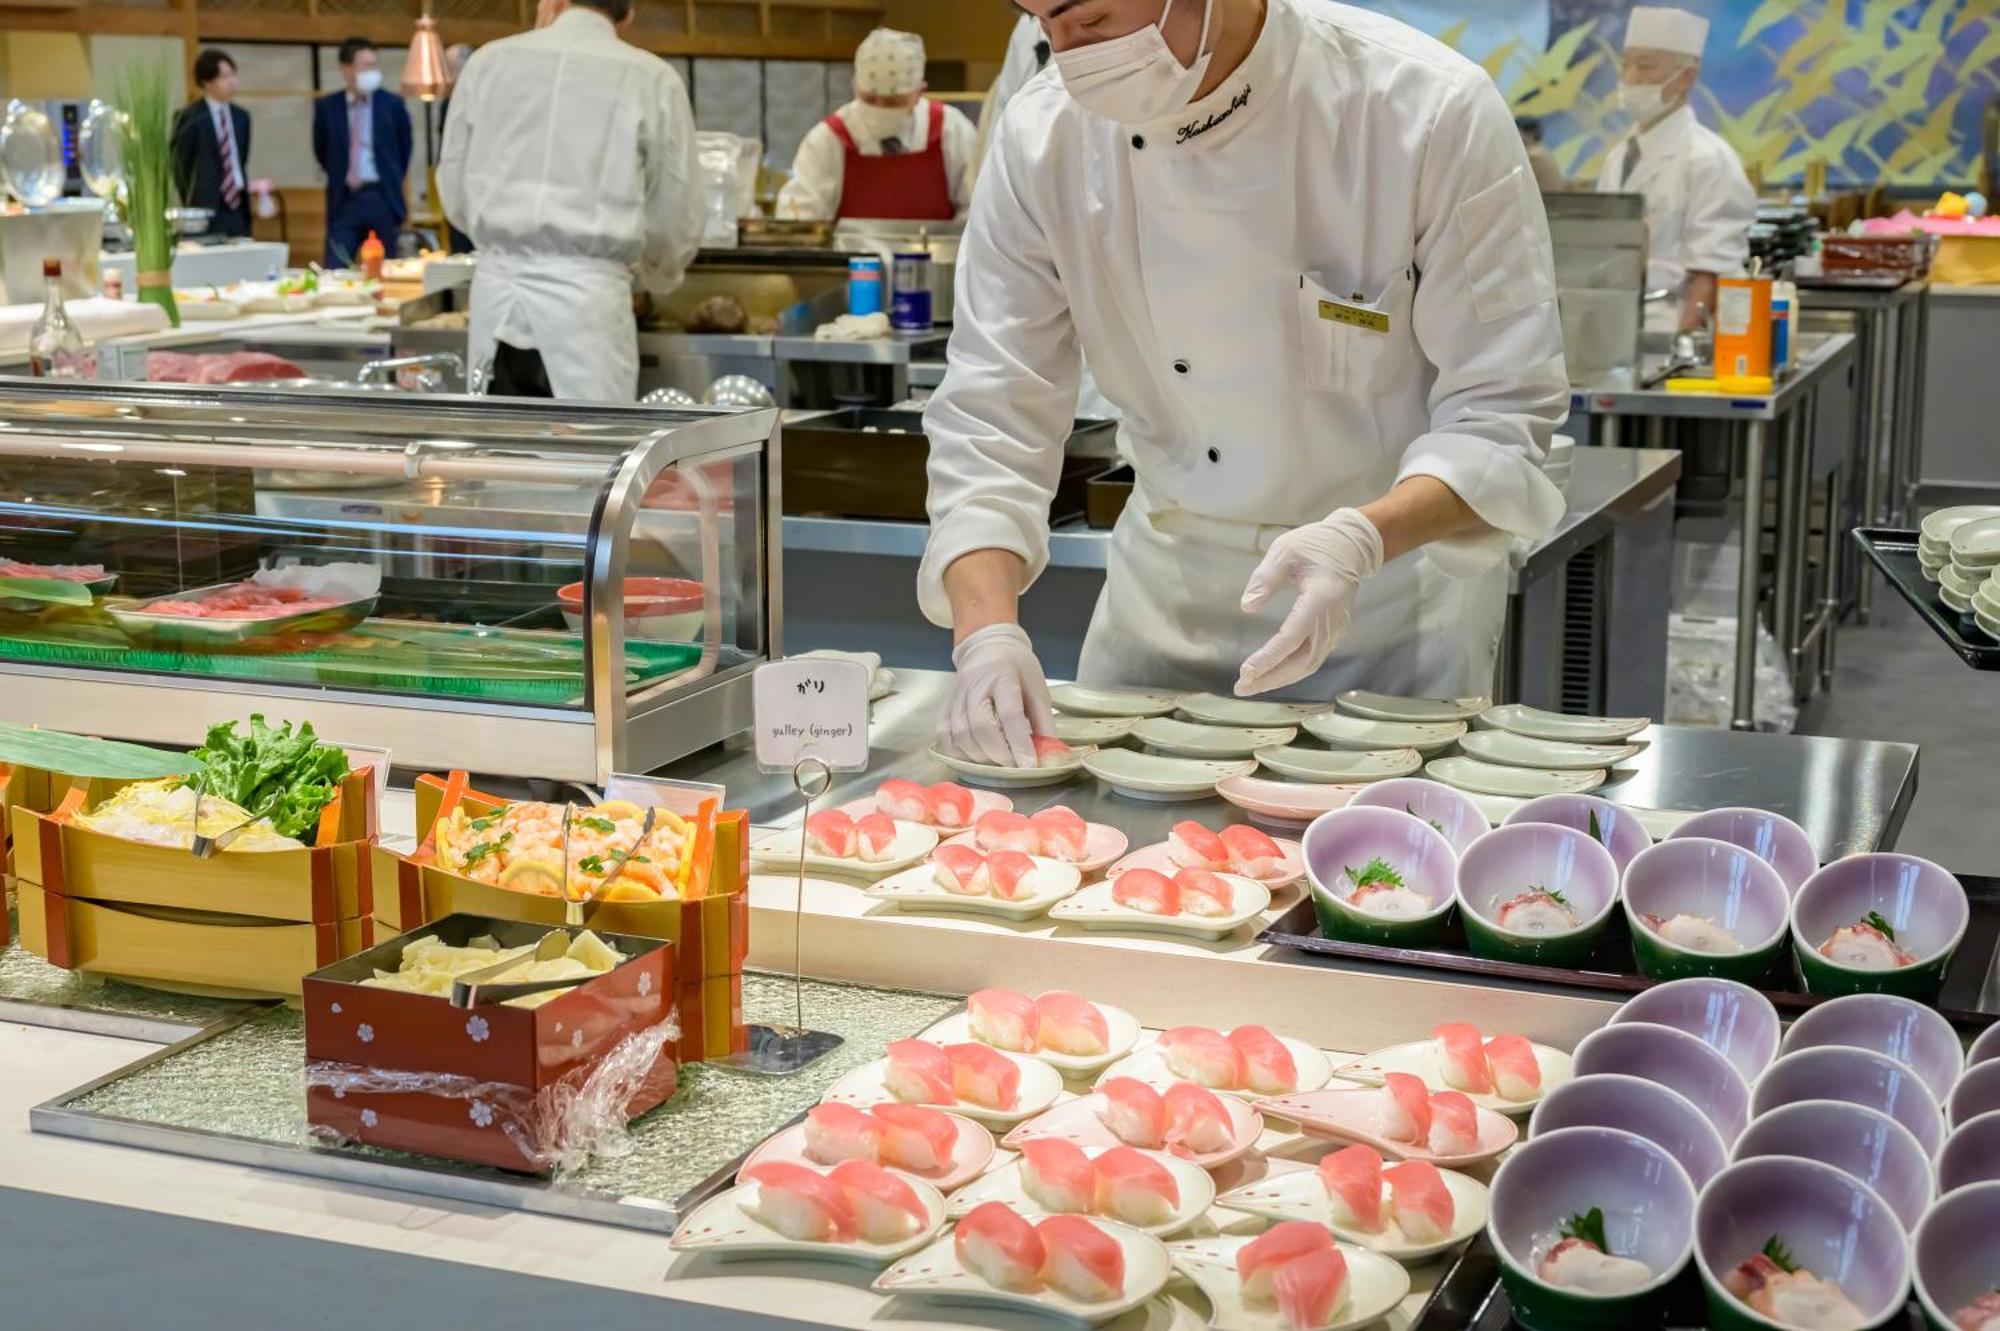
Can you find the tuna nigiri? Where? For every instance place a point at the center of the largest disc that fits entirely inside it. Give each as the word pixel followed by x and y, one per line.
pixel 1134 1111
pixel 1010 874
pixel 1193 846
pixel 959 869
pixel 1052 752
pixel 915 1137
pixel 837 1132
pixel 1462 1057
pixel 831 832
pixel 1202 1056
pixel 800 1203
pixel 1268 1067
pixel 1406 1109
pixel 1000 830
pixel 1068 1024
pixel 919 1073
pixel 876 835
pixel 1454 1124
pixel 1058 1176
pixel 1309 1289
pixel 951 806
pixel 1517 1073
pixel 1197 1122
pixel 886 1209
pixel 1063 833
pixel 1080 1259
pixel 1203 893
pixel 1419 1200
pixel 1353 1180
pixel 1252 853
pixel 984 1076
pixel 905 800
pixel 1000 1248
pixel 1004 1019
pixel 1145 890
pixel 1288 1241
pixel 1135 1188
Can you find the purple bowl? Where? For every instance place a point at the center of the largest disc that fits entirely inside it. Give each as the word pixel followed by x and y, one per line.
pixel 1731 1018
pixel 1648 1200
pixel 1443 807
pixel 1956 1251
pixel 1350 837
pixel 1699 876
pixel 1861 1142
pixel 1977 1092
pixel 1673 1059
pixel 1858 1076
pixel 1506 861
pixel 1922 902
pixel 1986 1047
pixel 1907 1031
pixel 1971 1154
pixel 1836 1227
pixel 1772 838
pixel 1661 1115
pixel 1618 829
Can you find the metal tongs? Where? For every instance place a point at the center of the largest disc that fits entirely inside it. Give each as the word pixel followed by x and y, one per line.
pixel 208 847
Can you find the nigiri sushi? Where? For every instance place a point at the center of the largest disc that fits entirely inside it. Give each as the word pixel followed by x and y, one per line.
pixel 1536 911
pixel 1145 890
pixel 919 1072
pixel 1696 933
pixel 904 799
pixel 1580 1264
pixel 1462 1057
pixel 1308 1290
pixel 1268 1067
pixel 950 806
pixel 875 834
pixel 1454 1124
pixel 1205 894
pixel 886 1209
pixel 959 869
pixel 1004 1019
pixel 1068 1024
pixel 1867 945
pixel 1052 752
pixel 1010 874
pixel 984 1076
pixel 1252 853
pixel 1000 1248
pixel 1058 1175
pixel 1792 1295
pixel 1193 846
pixel 1419 1200
pixel 1203 1056
pixel 1135 1188
pixel 1352 1177
pixel 831 832
pixel 1197 1122
pixel 1517 1073
pixel 1134 1111
pixel 1063 833
pixel 1081 1260
pixel 802 1204
pixel 915 1137
pixel 1288 1241
pixel 1000 830
pixel 837 1132
pixel 1406 1109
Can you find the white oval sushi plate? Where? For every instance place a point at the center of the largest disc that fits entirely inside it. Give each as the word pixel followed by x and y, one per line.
pixel 778 850
pixel 1124 704
pixel 983 802
pixel 1535 723
pixel 1120 1025
pixel 917 889
pixel 1298 1194
pixel 1415 711
pixel 1015 778
pixel 970 1154
pixel 1102 845
pixel 1357 732
pixel 1041 1086
pixel 1421 1059
pixel 1093 908
pixel 1508 749
pixel 1341 766
pixel 1355 1116
pixel 1285 801
pixel 1212 709
pixel 937 1274
pixel 1375 1285
pixel 1158 779
pixel 1482 778
pixel 1148 1063
pixel 1082 1121
pixel 721 1226
pixel 1157 858
pixel 1192 739
pixel 1197 1193
pixel 1075 730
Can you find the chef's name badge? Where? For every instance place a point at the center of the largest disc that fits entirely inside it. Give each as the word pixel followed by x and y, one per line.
pixel 811 708
pixel 1354 316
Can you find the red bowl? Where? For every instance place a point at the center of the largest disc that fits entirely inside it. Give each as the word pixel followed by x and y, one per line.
pixel 644 597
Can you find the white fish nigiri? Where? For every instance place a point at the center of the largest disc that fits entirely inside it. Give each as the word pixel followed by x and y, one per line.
pixel 1268 1066
pixel 919 1072
pixel 886 1209
pixel 1864 947
pixel 1134 1111
pixel 915 1137
pixel 1454 1124
pixel 837 1132
pixel 904 799
pixel 1202 1056
pixel 1000 1247
pixel 1072 1025
pixel 1405 1114
pixel 1058 1176
pixel 1419 1200
pixel 1081 1260
pixel 1135 1188
pixel 1517 1073
pixel 1696 933
pixel 802 1204
pixel 1462 1057
pixel 1580 1264
pixel 1004 1019
pixel 875 836
pixel 1197 1121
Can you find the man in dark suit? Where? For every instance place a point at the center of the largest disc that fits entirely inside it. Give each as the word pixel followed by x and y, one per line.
pixel 211 145
pixel 362 140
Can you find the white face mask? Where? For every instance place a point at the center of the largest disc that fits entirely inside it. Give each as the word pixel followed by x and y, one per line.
pixel 875 122
pixel 367 81
pixel 1643 101
pixel 1135 79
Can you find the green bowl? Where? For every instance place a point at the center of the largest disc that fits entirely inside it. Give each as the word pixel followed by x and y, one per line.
pixel 1540 1307
pixel 1921 982
pixel 1660 960
pixel 1341 921
pixel 1494 944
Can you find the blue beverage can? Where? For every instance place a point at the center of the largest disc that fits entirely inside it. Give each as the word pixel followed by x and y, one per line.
pixel 910 293
pixel 865 280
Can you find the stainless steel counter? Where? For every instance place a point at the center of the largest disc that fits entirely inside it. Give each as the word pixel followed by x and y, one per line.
pixel 1624 392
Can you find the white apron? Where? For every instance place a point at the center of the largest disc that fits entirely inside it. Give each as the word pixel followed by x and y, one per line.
pixel 577 312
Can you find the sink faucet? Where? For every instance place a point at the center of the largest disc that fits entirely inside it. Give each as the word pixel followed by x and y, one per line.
pixel 390 370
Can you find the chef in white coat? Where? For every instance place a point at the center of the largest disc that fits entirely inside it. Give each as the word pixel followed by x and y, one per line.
pixel 1027 55
pixel 569 159
pixel 1302 249
pixel 1699 203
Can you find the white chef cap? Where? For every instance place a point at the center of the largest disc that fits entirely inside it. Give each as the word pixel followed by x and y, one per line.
pixel 1659 28
pixel 889 63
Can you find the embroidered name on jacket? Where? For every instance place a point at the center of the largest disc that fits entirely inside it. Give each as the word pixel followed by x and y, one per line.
pixel 1195 129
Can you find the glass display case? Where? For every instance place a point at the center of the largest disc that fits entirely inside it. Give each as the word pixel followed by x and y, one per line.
pixel 520 589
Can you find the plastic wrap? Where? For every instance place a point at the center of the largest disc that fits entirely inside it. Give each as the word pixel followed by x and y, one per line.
pixel 1701 676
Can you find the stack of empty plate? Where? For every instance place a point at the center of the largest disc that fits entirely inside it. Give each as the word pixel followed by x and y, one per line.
pixel 1934 539
pixel 1526 752
pixel 1974 567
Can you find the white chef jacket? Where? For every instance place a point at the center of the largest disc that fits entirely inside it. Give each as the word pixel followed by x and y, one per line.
pixel 1699 203
pixel 1027 54
pixel 820 168
pixel 1206 265
pixel 569 158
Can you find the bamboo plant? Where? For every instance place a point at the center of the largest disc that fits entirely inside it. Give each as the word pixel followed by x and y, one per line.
pixel 145 118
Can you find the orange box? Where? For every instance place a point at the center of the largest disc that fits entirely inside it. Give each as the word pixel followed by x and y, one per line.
pixel 1743 328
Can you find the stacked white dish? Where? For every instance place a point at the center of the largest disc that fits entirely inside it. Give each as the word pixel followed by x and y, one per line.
pixel 1560 461
pixel 1974 573
pixel 1934 537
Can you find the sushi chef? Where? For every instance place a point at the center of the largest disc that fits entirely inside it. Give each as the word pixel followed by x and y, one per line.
pixel 1303 251
pixel 1699 202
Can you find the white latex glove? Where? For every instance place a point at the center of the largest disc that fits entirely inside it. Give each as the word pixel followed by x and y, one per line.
pixel 999 702
pixel 1326 563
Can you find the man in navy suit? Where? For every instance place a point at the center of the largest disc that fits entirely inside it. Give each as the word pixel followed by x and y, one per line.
pixel 362 140
pixel 211 143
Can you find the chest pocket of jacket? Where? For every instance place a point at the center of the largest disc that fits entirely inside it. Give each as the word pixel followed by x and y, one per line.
pixel 1357 345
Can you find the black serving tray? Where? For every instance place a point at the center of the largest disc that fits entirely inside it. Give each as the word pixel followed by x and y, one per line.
pixel 1894 551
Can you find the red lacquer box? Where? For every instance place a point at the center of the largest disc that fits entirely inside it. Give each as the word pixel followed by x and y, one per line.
pixel 492 1085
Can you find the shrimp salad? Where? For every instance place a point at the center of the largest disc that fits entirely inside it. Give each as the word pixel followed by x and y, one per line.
pixel 519 847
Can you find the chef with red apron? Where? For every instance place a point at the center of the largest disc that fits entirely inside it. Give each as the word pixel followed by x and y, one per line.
pixel 891 152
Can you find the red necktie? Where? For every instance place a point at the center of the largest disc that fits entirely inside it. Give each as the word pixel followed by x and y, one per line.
pixel 232 183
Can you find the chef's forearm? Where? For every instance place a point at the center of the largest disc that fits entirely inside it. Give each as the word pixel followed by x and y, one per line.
pixel 1417 511
pixel 1697 301
pixel 985 589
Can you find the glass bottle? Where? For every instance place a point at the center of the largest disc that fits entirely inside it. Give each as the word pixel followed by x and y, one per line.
pixel 55 347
